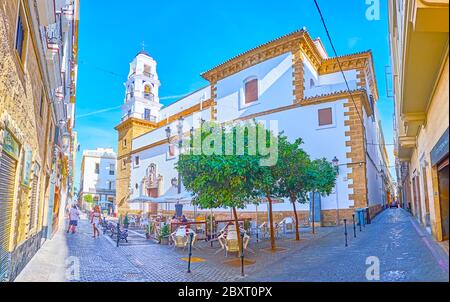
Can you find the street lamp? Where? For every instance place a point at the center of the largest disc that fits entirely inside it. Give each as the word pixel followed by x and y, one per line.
pixel 168 133
pixel 335 162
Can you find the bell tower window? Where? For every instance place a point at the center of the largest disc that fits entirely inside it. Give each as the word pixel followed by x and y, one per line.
pixel 148 92
pixel 147 70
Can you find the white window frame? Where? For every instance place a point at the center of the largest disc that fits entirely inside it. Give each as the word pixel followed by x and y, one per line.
pixel 242 92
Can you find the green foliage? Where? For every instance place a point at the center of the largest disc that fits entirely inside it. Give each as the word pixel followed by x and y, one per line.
pixel 165 232
pixel 291 171
pixel 88 198
pixel 223 178
pixel 321 177
pixel 125 219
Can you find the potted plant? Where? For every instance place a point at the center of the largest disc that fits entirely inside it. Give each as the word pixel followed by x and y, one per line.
pixel 125 221
pixel 164 235
pixel 149 231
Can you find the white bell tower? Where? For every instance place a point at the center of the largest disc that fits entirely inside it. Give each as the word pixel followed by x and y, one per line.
pixel 141 89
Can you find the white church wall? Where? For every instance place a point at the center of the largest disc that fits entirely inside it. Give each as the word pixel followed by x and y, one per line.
pixel 319 142
pixel 274 87
pixel 186 102
pixel 329 83
pixel 160 133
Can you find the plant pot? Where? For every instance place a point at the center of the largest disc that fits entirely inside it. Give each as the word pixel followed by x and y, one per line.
pixel 164 241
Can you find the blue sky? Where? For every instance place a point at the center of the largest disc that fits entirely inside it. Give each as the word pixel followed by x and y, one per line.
pixel 189 37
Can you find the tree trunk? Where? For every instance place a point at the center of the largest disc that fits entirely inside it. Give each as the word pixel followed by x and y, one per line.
pixel 272 232
pixel 313 217
pixel 297 233
pixel 238 230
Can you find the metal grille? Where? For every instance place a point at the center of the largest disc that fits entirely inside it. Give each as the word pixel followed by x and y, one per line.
pixel 7 176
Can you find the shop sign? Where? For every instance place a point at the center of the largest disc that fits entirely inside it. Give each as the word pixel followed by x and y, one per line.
pixel 440 149
pixel 10 145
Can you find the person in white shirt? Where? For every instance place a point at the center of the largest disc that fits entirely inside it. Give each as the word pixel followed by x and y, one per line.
pixel 74 216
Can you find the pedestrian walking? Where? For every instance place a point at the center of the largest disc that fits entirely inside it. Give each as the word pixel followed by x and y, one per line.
pixel 95 221
pixel 74 216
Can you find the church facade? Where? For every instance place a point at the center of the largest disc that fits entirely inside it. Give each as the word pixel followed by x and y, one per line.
pixel 290 80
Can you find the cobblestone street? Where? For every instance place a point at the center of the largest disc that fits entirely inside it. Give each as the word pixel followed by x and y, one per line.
pixel 406 253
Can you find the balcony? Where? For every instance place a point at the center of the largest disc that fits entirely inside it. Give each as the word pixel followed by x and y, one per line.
pixel 150 118
pixel 426 33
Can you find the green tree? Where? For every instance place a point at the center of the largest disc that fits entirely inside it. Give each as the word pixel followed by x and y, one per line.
pixel 216 173
pixel 321 177
pixel 88 198
pixel 292 174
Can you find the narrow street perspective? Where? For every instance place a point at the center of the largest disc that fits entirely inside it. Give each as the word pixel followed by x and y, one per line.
pixel 240 141
pixel 405 251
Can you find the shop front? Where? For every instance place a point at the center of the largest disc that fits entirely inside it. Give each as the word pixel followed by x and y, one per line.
pixel 440 166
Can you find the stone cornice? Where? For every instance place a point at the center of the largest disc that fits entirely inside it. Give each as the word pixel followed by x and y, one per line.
pixel 288 43
pixel 362 60
pixel 129 122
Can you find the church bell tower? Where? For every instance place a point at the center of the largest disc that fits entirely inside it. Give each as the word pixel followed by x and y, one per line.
pixel 140 113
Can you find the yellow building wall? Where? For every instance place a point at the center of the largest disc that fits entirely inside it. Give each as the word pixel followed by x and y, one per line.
pixel 437 122
pixel 21 89
pixel 127 130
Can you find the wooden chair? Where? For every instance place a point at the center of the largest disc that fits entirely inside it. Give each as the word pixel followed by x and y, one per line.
pixel 264 229
pixel 231 243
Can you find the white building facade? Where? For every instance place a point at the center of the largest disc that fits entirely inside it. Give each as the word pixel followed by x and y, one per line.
pixel 293 83
pixel 98 178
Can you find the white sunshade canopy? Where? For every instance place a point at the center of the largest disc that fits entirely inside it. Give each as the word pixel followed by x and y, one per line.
pixel 171 196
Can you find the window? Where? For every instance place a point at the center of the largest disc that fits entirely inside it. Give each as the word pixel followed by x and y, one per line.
pixel 147 70
pixel 251 91
pixel 311 83
pixel 97 168
pixel 148 92
pixel 124 142
pixel 110 198
pixel 147 114
pixel 325 116
pixel 136 160
pixel 109 185
pixel 124 163
pixel 111 169
pixel 171 150
pixel 21 35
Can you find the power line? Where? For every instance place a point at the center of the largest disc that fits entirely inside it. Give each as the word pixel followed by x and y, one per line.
pixel 339 63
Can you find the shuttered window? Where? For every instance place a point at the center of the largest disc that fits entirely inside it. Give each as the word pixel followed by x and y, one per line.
pixel 325 116
pixel 251 91
pixel 7 176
